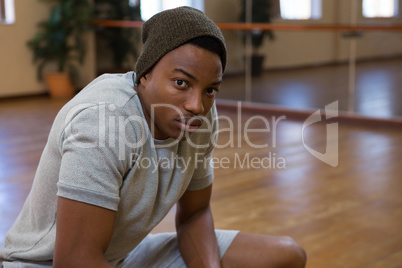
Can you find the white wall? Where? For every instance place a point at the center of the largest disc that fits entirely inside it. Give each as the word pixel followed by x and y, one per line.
pixel 17 72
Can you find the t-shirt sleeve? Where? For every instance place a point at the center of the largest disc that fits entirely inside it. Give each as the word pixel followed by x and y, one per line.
pixel 204 169
pixel 93 164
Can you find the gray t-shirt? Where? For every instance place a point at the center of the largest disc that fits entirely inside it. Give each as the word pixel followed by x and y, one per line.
pixel 100 151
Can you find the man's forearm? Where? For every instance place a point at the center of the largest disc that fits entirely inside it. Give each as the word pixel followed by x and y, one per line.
pixel 197 240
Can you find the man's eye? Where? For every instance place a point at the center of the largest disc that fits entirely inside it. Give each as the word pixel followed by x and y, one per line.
pixel 212 91
pixel 180 83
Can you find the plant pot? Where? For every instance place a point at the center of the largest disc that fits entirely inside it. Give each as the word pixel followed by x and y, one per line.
pixel 59 85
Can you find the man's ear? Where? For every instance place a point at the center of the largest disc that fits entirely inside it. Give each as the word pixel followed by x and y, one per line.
pixel 144 79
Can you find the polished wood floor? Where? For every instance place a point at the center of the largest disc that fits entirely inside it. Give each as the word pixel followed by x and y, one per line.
pixel 344 216
pixel 378 91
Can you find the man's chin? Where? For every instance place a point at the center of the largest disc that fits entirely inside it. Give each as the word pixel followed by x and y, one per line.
pixel 183 136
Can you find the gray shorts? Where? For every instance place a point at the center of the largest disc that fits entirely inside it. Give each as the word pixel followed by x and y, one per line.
pixel 161 250
pixel 156 250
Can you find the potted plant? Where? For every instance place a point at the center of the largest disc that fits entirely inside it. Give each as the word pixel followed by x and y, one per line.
pixel 122 43
pixel 261 13
pixel 59 40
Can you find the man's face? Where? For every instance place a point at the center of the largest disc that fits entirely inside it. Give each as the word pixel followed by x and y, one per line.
pixel 180 87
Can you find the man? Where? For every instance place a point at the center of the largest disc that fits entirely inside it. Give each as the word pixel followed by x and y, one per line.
pixel 124 151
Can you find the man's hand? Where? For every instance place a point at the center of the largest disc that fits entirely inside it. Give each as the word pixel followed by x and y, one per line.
pixel 83 234
pixel 195 229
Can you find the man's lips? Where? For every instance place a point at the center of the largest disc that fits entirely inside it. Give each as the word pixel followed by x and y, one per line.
pixel 189 124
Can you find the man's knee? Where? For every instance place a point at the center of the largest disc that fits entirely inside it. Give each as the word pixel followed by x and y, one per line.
pixel 257 250
pixel 293 255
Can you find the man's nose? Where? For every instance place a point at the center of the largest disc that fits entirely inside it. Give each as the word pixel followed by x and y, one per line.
pixel 194 103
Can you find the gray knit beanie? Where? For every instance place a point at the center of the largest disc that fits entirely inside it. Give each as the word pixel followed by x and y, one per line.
pixel 170 29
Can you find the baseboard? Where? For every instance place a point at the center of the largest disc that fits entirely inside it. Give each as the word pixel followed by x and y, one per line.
pixel 22 97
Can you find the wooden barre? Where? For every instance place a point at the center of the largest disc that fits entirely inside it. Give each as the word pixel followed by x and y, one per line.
pixel 264 26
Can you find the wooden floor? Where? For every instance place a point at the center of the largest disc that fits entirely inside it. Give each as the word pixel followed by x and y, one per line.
pixel 378 91
pixel 344 216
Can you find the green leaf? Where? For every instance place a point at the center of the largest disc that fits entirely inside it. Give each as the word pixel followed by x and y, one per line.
pixel 67 21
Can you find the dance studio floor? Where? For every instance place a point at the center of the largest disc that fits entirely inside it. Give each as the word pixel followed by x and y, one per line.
pixel 344 216
pixel 378 90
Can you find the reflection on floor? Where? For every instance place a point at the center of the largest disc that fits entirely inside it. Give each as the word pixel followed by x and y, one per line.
pixel 378 88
